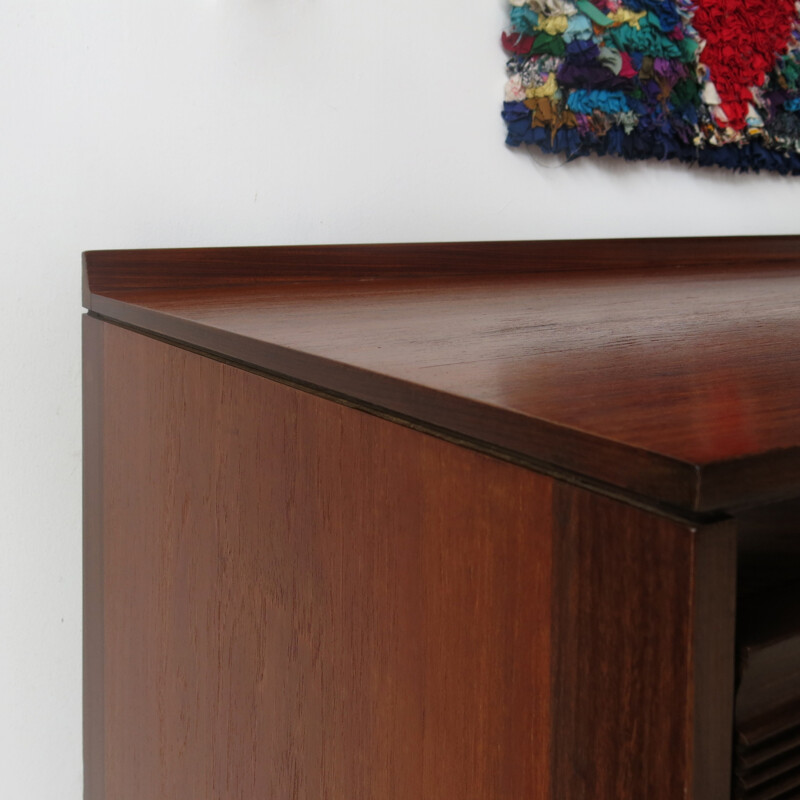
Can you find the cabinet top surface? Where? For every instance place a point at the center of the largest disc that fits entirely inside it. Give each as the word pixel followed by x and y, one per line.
pixel 670 369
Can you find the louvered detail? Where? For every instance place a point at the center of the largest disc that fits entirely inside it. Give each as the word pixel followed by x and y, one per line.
pixel 767 713
pixel 767 760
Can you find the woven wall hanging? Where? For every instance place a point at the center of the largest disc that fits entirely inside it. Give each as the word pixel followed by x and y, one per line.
pixel 709 81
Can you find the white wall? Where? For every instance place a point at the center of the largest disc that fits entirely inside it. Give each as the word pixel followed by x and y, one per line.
pixel 132 123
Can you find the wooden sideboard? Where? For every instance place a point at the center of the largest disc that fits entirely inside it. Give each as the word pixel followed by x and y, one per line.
pixel 433 522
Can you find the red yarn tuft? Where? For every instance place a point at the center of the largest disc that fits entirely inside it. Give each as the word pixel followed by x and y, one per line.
pixel 743 39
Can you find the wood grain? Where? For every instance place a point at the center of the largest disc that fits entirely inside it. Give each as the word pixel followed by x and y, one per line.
pixel 713 623
pixel 306 601
pixel 643 640
pixel 112 270
pixel 670 370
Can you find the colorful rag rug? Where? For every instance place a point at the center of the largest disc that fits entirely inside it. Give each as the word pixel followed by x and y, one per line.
pixel 705 81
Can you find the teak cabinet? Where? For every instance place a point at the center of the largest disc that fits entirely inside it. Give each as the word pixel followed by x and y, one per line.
pixel 432 522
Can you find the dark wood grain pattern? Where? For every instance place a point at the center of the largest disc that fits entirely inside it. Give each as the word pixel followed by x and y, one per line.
pixel 676 383
pixel 643 636
pixel 93 534
pixel 713 623
pixel 114 270
pixel 306 601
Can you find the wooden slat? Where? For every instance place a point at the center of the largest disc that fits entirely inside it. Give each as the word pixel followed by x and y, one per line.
pixel 749 780
pixel 752 756
pixel 776 789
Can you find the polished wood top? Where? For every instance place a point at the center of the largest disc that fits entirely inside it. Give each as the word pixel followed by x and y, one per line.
pixel 674 377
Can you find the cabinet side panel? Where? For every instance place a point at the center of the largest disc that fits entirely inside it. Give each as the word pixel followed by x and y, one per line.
pixel 305 601
pixel 93 737
pixel 643 610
